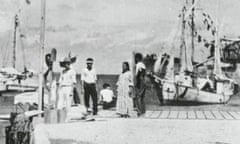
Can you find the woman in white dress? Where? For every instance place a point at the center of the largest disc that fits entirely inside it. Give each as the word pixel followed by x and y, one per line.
pixel 125 90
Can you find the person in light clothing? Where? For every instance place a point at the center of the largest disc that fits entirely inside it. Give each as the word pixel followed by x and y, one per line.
pixel 89 79
pixel 125 92
pixel 107 96
pixel 67 82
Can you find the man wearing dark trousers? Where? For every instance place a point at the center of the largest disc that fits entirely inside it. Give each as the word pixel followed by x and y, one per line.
pixel 89 79
pixel 140 86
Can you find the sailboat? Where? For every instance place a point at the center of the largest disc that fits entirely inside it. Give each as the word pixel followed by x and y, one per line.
pixel 12 80
pixel 22 120
pixel 184 80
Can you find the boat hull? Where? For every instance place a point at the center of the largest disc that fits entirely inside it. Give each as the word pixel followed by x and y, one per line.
pixel 192 94
pixel 205 97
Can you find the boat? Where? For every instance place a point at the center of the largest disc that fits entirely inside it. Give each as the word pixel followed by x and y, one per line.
pixel 185 80
pixel 15 84
pixel 12 80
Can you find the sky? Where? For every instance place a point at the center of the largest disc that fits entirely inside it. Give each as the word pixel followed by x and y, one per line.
pixel 107 30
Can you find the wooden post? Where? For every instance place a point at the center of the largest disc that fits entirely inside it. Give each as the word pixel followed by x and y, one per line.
pixel 42 38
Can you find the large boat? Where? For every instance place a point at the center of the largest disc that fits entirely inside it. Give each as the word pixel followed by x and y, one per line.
pixel 207 80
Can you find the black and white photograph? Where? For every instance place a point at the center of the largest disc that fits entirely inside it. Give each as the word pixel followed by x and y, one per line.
pixel 119 72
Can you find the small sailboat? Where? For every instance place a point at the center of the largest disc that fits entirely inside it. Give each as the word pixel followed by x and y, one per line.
pixel 12 80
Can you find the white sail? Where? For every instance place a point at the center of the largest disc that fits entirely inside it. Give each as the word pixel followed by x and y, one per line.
pixel 157 64
pixel 186 62
pixel 217 63
pixel 170 69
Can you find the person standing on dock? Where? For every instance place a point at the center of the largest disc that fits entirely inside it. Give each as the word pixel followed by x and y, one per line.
pixel 125 92
pixel 89 79
pixel 67 82
pixel 76 97
pixel 140 85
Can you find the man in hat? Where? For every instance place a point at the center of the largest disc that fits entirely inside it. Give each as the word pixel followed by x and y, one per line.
pixel 89 79
pixel 67 82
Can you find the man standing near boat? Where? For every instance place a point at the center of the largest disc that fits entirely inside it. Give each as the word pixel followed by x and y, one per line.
pixel 140 83
pixel 67 82
pixel 89 79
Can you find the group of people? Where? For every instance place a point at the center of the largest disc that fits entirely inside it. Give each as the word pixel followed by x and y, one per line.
pixel 130 88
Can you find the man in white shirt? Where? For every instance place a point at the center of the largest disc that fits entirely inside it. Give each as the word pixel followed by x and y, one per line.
pixel 107 96
pixel 89 79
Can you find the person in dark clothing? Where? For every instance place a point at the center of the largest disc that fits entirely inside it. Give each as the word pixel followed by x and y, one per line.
pixel 140 85
pixel 158 87
pixel 89 79
pixel 76 98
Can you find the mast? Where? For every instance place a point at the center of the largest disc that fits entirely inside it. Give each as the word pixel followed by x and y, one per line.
pixel 42 38
pixel 182 46
pixel 16 22
pixel 217 62
pixel 16 25
pixel 192 42
pixel 193 27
